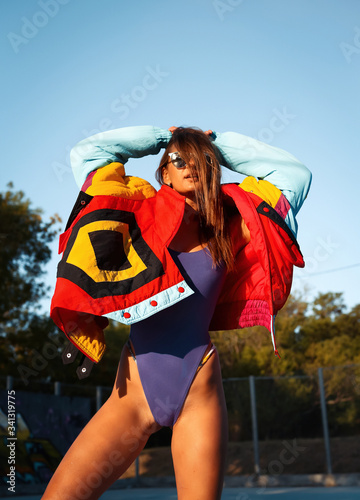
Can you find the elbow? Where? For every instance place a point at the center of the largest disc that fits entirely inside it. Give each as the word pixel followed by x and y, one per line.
pixel 78 154
pixel 78 159
pixel 73 156
pixel 301 181
pixel 299 177
pixel 305 178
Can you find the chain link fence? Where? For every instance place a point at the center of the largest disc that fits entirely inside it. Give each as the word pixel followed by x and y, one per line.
pixel 277 425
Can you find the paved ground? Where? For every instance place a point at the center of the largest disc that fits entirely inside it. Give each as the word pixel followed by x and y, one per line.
pixel 337 493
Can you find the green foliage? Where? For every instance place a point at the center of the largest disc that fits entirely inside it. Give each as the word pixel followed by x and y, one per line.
pixel 309 336
pixel 24 251
pixel 328 305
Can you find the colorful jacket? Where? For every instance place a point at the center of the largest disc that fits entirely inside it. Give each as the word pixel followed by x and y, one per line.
pixel 115 261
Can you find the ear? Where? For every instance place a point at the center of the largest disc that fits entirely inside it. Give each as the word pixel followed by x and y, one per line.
pixel 165 176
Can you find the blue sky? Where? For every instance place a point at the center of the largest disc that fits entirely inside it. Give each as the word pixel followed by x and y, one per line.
pixel 283 71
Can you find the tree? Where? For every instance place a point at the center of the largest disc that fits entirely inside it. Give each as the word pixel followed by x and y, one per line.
pixel 328 305
pixel 24 251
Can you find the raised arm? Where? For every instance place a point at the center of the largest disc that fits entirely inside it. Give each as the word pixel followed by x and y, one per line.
pixel 250 157
pixel 116 146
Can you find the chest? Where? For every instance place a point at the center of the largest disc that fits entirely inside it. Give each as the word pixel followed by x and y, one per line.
pixel 187 237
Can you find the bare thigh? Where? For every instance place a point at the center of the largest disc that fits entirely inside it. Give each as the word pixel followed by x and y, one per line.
pixel 200 437
pixel 109 443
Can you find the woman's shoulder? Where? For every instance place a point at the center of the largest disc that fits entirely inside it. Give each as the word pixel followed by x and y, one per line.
pixel 112 181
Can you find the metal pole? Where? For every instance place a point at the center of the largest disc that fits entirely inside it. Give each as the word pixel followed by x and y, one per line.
pixel 99 396
pixel 9 383
pixel 254 425
pixel 324 420
pixel 57 388
pixel 137 469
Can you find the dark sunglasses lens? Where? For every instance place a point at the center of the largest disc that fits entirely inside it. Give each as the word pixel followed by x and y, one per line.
pixel 208 158
pixel 179 163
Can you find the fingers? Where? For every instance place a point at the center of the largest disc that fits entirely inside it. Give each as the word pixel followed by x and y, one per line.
pixel 172 130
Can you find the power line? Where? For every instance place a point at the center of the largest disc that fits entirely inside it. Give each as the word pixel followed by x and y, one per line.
pixel 330 271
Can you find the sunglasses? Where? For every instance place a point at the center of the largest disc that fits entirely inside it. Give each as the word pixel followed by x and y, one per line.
pixel 179 163
pixel 176 160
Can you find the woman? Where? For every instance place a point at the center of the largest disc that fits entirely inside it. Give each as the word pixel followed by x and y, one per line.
pixel 175 263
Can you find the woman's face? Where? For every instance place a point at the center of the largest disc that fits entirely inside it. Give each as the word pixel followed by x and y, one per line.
pixel 182 179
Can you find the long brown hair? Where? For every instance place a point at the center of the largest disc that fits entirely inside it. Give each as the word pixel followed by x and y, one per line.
pixel 194 144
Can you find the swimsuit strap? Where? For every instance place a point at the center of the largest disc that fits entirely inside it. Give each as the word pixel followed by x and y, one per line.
pixel 206 356
pixel 131 350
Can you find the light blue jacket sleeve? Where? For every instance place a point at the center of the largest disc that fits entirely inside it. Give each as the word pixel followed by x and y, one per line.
pixel 249 156
pixel 116 146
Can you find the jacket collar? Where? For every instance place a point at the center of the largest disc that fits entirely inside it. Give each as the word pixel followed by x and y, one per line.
pixel 170 206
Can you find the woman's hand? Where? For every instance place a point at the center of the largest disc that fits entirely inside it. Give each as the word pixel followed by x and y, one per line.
pixel 207 132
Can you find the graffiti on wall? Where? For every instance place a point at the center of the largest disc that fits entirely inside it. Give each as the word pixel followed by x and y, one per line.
pixel 46 426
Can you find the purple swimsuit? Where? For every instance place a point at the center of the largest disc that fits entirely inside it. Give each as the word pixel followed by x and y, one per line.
pixel 170 345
